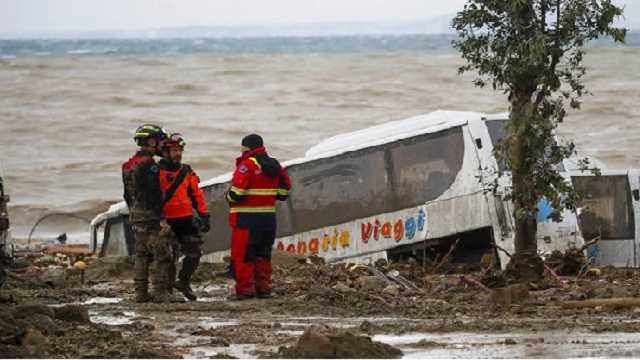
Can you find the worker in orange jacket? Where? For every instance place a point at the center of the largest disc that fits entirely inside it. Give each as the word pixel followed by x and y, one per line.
pixel 259 180
pixel 182 196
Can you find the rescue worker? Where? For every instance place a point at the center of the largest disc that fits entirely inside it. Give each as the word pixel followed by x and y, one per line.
pixel 257 183
pixel 142 193
pixel 182 195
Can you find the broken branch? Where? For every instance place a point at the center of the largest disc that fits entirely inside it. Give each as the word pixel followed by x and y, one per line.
pixel 594 241
pixel 618 302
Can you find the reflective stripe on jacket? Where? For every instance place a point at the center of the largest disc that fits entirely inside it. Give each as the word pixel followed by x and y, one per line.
pixel 257 183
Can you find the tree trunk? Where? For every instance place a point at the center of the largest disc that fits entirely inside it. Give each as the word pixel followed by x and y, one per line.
pixel 522 176
pixel 525 264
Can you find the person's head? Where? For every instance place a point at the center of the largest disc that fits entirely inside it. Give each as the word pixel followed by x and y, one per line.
pixel 174 147
pixel 251 142
pixel 150 137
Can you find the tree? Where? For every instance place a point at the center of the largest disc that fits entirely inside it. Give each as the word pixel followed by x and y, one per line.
pixel 533 51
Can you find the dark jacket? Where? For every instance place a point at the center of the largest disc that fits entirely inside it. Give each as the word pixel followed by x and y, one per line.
pixel 141 178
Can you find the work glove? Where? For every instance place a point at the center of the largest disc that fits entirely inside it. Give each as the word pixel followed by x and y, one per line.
pixel 205 221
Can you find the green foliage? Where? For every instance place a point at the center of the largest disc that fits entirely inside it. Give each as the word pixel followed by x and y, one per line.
pixel 533 51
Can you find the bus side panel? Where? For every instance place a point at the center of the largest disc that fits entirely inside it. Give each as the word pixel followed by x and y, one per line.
pixel 219 238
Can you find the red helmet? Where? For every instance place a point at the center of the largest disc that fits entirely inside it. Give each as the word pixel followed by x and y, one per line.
pixel 175 140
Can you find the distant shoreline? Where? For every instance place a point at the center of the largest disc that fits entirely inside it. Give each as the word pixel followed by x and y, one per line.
pixel 158 47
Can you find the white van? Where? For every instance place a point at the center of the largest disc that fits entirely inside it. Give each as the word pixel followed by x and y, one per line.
pixel 408 187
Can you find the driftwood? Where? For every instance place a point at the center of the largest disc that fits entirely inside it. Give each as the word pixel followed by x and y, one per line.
pixel 617 302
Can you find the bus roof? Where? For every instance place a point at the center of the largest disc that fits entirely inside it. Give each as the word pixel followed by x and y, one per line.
pixel 381 134
pixel 392 131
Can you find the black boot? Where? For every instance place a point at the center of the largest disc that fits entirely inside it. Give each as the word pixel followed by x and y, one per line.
pixel 184 287
pixel 189 266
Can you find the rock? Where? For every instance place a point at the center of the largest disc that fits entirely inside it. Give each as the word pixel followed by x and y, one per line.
pixel 315 345
pixel 19 263
pixel 513 294
pixel 510 342
pixel 367 327
pixel 28 310
pixel 577 295
pixel 349 346
pixel 319 328
pixel 343 288
pixel 371 283
pixel 287 259
pixel 381 263
pixel 223 356
pixel 73 313
pixel 8 298
pixel 43 323
pixel 408 292
pixel 318 290
pixel 315 259
pixel 391 290
pixel 33 337
pixel 54 277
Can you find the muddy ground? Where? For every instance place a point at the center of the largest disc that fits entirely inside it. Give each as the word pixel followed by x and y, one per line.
pixel 323 311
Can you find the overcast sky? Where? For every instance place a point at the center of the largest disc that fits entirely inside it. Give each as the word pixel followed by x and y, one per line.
pixel 44 16
pixel 87 15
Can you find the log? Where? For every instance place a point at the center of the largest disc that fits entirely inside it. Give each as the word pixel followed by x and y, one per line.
pixel 619 302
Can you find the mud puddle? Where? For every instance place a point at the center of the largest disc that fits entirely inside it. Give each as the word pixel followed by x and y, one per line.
pixel 551 345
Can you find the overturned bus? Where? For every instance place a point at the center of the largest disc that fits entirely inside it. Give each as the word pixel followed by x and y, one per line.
pixel 404 188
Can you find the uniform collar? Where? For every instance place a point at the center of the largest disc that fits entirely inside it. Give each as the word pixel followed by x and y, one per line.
pixel 250 153
pixel 144 153
pixel 170 165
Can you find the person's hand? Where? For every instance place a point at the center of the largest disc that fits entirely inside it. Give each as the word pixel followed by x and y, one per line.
pixel 205 222
pixel 164 227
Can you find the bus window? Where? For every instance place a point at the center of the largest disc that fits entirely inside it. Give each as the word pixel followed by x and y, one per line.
pixel 426 166
pixel 498 131
pixel 609 209
pixel 340 189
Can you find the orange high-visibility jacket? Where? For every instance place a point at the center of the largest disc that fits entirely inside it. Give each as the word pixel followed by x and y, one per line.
pixel 183 197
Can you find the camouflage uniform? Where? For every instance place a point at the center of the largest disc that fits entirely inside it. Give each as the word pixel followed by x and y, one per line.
pixel 140 175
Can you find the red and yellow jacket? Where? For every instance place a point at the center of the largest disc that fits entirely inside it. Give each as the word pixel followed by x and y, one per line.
pixel 259 180
pixel 185 195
